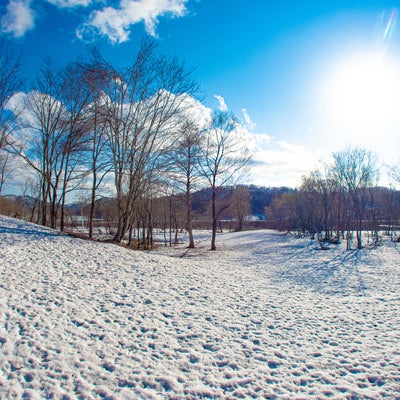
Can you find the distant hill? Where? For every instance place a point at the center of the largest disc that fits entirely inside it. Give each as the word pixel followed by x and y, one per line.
pixel 26 201
pixel 260 197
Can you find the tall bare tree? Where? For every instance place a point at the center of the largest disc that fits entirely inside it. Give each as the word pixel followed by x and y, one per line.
pixel 95 157
pixel 144 102
pixel 224 155
pixel 11 81
pixel 182 167
pixel 76 97
pixel 53 135
pixel 38 143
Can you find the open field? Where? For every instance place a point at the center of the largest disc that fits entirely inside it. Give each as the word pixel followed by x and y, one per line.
pixel 265 316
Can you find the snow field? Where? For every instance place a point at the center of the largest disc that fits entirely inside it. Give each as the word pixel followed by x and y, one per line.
pixel 265 316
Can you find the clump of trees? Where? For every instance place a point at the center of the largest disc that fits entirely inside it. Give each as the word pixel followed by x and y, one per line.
pixel 93 123
pixel 340 202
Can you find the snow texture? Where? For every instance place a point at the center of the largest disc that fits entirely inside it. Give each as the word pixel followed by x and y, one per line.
pixel 265 316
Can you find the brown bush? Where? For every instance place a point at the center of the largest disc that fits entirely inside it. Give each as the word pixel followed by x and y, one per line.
pixel 12 209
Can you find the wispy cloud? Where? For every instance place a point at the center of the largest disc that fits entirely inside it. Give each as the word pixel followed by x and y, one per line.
pixel 222 104
pixel 116 22
pixel 18 19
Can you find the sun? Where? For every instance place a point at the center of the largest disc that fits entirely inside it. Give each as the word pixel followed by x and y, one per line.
pixel 363 93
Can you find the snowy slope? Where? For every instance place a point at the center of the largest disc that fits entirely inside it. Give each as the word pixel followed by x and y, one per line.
pixel 266 316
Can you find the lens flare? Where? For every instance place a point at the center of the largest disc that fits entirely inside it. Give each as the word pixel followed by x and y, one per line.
pixel 386 27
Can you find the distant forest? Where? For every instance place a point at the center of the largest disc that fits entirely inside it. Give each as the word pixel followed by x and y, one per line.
pixel 254 205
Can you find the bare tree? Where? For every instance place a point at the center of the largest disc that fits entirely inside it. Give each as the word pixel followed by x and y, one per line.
pixel 98 159
pixel 317 205
pixel 240 205
pixel 309 207
pixel 392 198
pixel 4 168
pixel 39 142
pixel 11 82
pixel 53 135
pixel 356 172
pixel 182 167
pixel 86 147
pixel 143 105
pixel 76 97
pixel 224 155
pixel 394 173
pixel 281 211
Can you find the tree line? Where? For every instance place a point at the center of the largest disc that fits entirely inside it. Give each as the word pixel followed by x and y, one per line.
pixel 135 128
pixel 341 201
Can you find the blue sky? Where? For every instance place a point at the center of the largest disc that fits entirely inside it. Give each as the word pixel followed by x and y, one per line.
pixel 306 77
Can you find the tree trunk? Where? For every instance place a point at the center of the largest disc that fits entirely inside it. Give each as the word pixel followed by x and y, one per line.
pixel 189 226
pixel 359 239
pixel 348 239
pixel 91 211
pixel 240 223
pixel 214 220
pixel 43 208
pixel 91 215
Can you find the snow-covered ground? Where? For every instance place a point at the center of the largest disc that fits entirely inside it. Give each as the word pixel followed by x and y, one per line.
pixel 265 316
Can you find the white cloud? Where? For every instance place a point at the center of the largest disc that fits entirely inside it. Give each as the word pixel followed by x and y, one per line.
pixel 247 119
pixel 69 3
pixel 262 139
pixel 197 112
pixel 280 163
pixel 19 18
pixel 222 104
pixel 20 176
pixel 115 23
